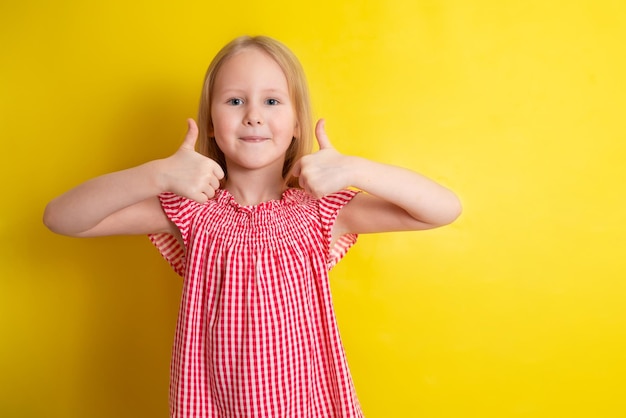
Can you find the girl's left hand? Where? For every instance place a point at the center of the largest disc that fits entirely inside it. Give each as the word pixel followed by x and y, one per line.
pixel 325 171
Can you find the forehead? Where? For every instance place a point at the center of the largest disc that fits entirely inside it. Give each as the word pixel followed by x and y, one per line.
pixel 250 68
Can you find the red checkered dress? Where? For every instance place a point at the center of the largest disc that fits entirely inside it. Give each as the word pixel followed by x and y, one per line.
pixel 256 333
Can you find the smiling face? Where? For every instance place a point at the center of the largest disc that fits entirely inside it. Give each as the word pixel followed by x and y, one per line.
pixel 253 117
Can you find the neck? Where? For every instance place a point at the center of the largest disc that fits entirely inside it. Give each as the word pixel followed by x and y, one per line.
pixel 252 188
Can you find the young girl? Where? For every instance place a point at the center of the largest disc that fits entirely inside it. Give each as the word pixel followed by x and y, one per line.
pixel 253 225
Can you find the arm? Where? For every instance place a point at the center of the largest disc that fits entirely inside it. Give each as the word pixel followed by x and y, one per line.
pixel 126 202
pixel 396 199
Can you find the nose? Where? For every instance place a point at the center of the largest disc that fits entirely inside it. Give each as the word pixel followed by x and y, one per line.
pixel 253 117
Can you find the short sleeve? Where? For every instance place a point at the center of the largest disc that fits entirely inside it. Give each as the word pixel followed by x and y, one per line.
pixel 329 207
pixel 180 211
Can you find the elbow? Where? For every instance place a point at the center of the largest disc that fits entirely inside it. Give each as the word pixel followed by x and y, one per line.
pixel 49 218
pixel 455 209
pixel 53 220
pixel 450 212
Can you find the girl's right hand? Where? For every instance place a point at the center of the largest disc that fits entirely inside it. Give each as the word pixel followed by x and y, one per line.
pixel 189 173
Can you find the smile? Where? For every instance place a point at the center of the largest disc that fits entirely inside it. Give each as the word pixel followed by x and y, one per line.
pixel 253 138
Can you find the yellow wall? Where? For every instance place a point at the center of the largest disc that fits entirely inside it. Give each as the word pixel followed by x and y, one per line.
pixel 517 310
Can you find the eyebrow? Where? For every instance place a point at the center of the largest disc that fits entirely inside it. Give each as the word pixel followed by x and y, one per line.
pixel 264 91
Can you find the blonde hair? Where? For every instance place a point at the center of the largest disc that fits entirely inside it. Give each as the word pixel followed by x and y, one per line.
pixel 298 90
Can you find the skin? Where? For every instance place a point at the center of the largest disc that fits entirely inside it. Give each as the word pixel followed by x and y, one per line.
pixel 254 122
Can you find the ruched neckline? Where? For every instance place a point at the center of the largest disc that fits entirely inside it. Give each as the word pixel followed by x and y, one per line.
pixel 288 197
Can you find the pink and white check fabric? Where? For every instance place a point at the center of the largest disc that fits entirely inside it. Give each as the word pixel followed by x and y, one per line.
pixel 256 333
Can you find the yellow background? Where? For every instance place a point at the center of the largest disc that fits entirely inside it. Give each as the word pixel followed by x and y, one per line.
pixel 516 310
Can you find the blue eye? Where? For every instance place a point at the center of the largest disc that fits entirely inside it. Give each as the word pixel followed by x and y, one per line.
pixel 272 102
pixel 235 101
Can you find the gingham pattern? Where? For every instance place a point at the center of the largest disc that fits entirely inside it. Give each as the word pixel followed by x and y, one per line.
pixel 256 333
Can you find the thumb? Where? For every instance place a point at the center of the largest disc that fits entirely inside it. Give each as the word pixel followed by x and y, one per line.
pixel 320 134
pixel 192 135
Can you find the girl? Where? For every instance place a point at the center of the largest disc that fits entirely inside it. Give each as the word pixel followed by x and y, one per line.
pixel 253 225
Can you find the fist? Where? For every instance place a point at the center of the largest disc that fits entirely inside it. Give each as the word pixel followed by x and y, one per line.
pixel 325 171
pixel 189 173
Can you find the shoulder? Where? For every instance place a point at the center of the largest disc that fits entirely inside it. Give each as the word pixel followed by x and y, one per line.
pixel 332 202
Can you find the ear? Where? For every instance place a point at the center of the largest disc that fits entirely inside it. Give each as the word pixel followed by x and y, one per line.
pixel 296 130
pixel 210 128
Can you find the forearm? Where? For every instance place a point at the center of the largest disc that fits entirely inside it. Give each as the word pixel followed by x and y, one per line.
pixel 86 205
pixel 423 199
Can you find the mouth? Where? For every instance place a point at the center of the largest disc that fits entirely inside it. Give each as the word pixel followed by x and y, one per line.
pixel 253 139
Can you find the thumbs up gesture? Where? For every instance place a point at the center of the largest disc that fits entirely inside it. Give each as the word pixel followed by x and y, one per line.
pixel 189 173
pixel 325 171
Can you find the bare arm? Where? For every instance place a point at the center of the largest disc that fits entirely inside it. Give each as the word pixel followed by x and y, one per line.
pixel 397 199
pixel 126 202
pixel 120 203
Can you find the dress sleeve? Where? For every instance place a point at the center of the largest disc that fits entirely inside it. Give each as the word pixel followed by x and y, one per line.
pixel 329 207
pixel 179 210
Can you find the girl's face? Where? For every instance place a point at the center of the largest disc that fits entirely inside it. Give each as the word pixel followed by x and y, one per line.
pixel 253 117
